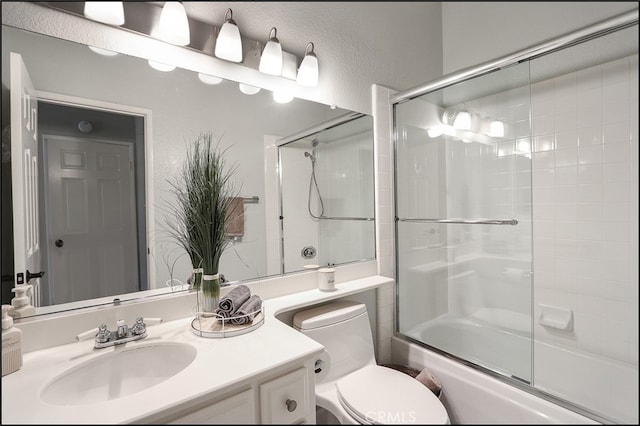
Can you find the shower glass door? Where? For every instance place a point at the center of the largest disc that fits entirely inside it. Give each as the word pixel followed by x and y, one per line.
pixel 463 218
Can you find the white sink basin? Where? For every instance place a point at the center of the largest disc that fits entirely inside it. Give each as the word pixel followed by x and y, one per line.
pixel 120 372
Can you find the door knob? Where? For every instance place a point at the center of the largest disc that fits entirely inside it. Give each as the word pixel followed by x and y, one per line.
pixel 30 275
pixel 59 243
pixel 291 405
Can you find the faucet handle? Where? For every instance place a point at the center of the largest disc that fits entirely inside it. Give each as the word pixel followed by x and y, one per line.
pixel 103 334
pixel 139 327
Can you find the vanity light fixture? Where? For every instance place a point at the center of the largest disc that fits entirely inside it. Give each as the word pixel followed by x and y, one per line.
pixel 160 66
pixel 229 42
pixel 174 25
pixel 308 71
pixel 209 79
pixel 107 12
pixel 271 59
pixel 247 89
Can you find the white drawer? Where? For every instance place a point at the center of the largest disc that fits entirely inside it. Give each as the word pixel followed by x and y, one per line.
pixel 285 400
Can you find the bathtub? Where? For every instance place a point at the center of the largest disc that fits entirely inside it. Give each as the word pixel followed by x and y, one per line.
pixel 472 396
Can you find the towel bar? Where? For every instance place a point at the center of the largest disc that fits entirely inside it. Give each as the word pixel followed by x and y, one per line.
pixel 463 221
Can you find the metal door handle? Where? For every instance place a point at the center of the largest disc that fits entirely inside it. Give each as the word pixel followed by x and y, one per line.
pixel 30 275
pixel 291 405
pixel 59 243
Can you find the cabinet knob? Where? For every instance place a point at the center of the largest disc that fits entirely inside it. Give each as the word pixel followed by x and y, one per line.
pixel 291 405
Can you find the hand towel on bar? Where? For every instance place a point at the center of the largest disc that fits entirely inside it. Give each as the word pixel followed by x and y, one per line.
pixel 229 304
pixel 248 311
pixel 234 222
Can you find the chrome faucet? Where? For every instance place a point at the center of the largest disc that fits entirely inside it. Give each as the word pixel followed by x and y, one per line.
pixel 124 334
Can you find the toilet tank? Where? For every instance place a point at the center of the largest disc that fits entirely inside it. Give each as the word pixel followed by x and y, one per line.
pixel 344 331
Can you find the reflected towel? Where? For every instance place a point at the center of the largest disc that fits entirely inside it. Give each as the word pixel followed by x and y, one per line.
pixel 248 311
pixel 234 221
pixel 229 304
pixel 429 380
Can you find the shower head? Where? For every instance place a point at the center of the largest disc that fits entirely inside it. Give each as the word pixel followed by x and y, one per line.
pixel 310 155
pixel 315 143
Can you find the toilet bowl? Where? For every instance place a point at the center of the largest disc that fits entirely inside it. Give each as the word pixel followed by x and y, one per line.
pixel 349 383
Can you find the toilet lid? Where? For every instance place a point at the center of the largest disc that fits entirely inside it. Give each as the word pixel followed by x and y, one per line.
pixel 382 395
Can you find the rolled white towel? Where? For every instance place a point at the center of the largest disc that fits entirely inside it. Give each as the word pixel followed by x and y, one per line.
pixel 429 380
pixel 229 304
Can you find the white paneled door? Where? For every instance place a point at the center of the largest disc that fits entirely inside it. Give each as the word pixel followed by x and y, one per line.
pixel 92 230
pixel 24 163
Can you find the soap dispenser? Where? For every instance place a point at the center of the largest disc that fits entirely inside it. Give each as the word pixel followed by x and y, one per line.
pixel 11 343
pixel 21 302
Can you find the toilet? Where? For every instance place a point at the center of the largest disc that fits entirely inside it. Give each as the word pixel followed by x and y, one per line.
pixel 349 383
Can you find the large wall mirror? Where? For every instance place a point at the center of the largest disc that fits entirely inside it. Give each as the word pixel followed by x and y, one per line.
pixel 111 132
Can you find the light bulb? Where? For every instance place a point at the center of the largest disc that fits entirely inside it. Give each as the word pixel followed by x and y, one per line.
pixel 462 121
pixel 160 66
pixel 248 90
pixel 282 97
pixel 496 129
pixel 209 79
pixel 103 52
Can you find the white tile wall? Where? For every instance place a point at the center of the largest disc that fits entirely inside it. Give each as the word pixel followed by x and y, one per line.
pixel 383 168
pixel 585 178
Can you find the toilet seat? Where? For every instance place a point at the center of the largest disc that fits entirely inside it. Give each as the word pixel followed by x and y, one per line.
pixel 382 395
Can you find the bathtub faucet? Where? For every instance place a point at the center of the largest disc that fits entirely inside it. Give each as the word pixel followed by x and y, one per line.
pixel 124 334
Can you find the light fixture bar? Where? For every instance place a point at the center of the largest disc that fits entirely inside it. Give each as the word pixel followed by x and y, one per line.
pixel 142 16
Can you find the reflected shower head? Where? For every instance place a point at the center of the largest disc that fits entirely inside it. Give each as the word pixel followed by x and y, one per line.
pixel 310 155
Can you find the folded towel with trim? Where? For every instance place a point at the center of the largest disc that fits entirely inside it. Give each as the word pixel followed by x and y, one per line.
pixel 248 311
pixel 229 304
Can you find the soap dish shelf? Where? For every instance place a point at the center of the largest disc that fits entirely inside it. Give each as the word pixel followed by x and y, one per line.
pixel 215 326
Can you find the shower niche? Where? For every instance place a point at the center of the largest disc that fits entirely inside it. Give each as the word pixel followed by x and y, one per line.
pixel 326 194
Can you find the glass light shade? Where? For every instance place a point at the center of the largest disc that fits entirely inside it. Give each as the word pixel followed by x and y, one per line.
pixel 462 121
pixel 107 12
pixel 103 52
pixel 271 59
pixel 174 25
pixel 160 66
pixel 308 71
pixel 229 42
pixel 496 129
pixel 282 97
pixel 209 79
pixel 248 90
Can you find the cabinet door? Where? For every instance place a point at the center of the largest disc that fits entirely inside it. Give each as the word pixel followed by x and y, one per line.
pixel 285 400
pixel 237 409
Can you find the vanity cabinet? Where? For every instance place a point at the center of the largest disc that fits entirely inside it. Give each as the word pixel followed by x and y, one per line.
pixel 285 397
pixel 236 409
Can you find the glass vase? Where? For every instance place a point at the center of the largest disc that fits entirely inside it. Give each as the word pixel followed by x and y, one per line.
pixel 208 294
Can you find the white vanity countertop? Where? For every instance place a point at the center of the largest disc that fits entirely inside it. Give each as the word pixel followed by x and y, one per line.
pixel 219 363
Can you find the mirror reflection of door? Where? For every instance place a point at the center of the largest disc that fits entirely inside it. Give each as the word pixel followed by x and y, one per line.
pixel 24 166
pixel 91 232
pixel 93 228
